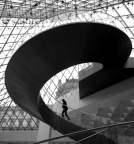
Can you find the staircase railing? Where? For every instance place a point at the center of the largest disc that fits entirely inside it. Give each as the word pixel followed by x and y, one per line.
pixel 121 138
pixel 81 118
pixel 85 120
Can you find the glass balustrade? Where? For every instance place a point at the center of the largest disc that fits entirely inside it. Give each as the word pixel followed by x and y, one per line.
pixel 119 133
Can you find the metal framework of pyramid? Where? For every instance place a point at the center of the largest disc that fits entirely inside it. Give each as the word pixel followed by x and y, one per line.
pixel 20 20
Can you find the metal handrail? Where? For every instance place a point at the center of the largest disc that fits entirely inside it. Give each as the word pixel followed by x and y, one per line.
pixel 84 131
pixel 90 136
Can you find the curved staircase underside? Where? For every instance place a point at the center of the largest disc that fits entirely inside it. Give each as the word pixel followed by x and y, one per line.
pixel 50 52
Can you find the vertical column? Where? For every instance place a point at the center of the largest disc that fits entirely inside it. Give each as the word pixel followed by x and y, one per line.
pixel 44 132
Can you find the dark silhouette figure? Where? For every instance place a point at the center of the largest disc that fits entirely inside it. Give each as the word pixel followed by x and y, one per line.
pixel 65 108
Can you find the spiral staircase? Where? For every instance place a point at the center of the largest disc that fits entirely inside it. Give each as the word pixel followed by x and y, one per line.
pixel 52 51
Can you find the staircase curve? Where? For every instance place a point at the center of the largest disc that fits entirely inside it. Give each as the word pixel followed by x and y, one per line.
pixel 52 51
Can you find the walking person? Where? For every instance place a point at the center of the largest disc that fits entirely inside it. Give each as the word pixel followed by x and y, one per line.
pixel 65 108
